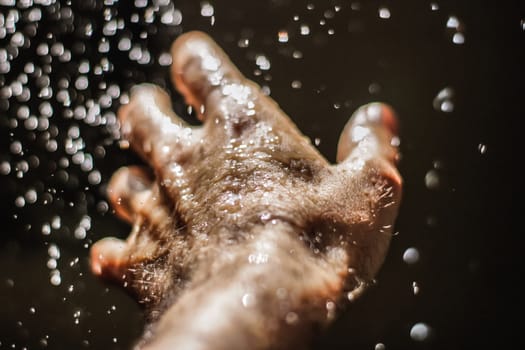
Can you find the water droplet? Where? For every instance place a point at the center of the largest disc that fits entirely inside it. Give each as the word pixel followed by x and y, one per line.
pixel 32 310
pixel 53 251
pixel 297 54
pixel 263 62
pixel 291 318
pixel 384 13
pixel 20 202
pixel 374 88
pixel 171 17
pixel 443 100
pixel 482 148
pixel 415 288
pixel 432 180
pixel 458 38
pixel 434 6
pixel 16 147
pixel 420 331
pixel 46 229
pixel 243 43
pixel 55 279
pixel 206 9
pixel 5 168
pixel 248 300
pixel 305 30
pixel 55 222
pixel 411 256
pixel 453 22
pixel 51 264
pixel 31 196
pixel 282 36
pixel 379 346
pixel 296 84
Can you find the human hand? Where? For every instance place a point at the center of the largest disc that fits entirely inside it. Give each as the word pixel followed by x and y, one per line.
pixel 243 235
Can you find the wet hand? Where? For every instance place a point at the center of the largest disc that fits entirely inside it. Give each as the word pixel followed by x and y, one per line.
pixel 243 235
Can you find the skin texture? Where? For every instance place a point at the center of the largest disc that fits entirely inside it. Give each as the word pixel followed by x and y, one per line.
pixel 243 236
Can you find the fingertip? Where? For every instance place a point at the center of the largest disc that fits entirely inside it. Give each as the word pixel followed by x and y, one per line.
pixel 378 113
pixel 372 130
pixel 199 65
pixel 106 256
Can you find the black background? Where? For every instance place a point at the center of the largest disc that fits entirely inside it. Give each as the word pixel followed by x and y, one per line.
pixel 466 229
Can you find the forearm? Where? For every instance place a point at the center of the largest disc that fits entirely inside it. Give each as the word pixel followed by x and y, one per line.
pixel 271 296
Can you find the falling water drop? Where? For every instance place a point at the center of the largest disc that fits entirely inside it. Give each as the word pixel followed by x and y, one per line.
pixel 305 30
pixel 384 13
pixel 482 148
pixel 282 36
pixel 432 181
pixel 379 346
pixel 411 256
pixel 415 288
pixel 443 100
pixel 420 331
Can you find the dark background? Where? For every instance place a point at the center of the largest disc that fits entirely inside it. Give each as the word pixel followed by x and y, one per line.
pixel 464 223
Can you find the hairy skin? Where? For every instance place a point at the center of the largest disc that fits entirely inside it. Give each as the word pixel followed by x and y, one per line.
pixel 244 237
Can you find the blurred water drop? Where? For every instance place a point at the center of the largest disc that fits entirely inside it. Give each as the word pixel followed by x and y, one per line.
pixel 379 346
pixel 415 288
pixel 172 17
pixel 16 147
pixel 420 331
pixel 263 62
pixel 443 100
pixel 31 196
pixel 458 38
pixel 248 300
pixel 305 29
pixel 384 13
pixel 282 36
pixel 206 9
pixel 243 43
pixel 20 202
pixel 411 256
pixel 56 222
pixel 297 54
pixel 296 84
pixel 46 229
pixel 55 278
pixel 124 44
pixel 51 264
pixel 291 318
pixel 165 59
pixel 53 251
pixel 434 6
pixel 482 148
pixel 5 168
pixel 432 181
pixel 453 22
